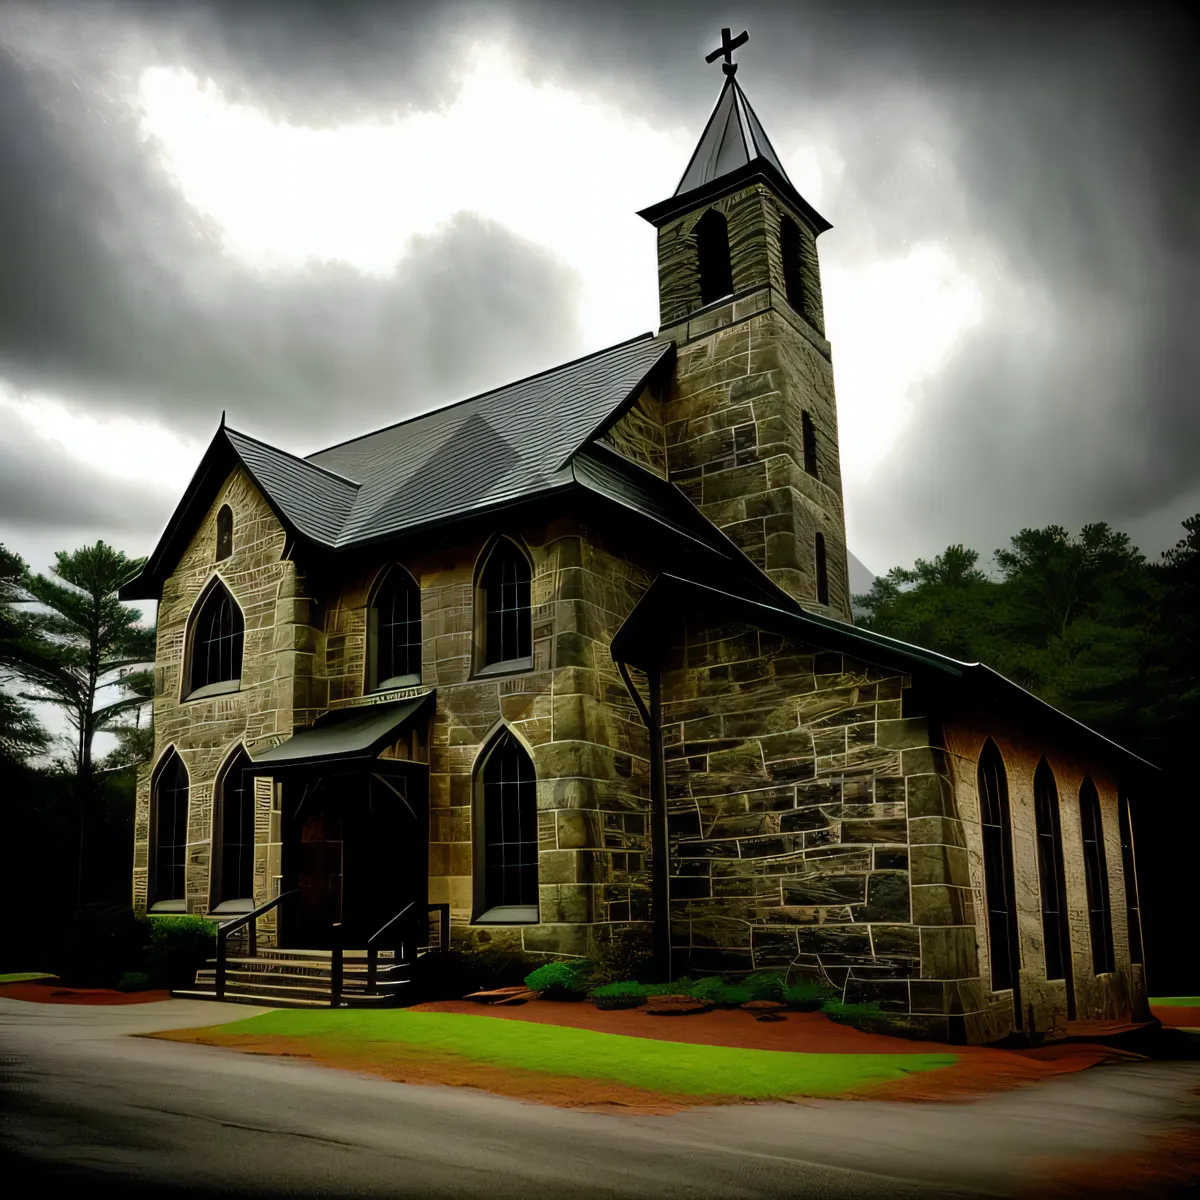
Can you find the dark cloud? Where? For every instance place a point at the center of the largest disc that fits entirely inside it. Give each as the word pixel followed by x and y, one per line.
pixel 1057 142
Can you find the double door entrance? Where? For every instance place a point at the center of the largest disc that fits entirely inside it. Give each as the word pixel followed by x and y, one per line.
pixel 355 848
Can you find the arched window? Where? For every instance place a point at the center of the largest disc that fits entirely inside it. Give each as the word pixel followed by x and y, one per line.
pixel 1096 871
pixel 215 644
pixel 395 632
pixel 791 250
pixel 233 833
pixel 506 626
pixel 712 255
pixel 224 532
pixel 1133 910
pixel 808 435
pixel 506 836
pixel 1056 931
pixel 998 871
pixel 822 571
pixel 169 836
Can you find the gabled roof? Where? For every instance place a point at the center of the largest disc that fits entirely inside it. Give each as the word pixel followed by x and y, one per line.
pixel 640 642
pixel 732 138
pixel 506 445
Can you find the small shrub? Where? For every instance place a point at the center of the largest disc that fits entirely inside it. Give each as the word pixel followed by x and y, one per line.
pixel 133 981
pixel 807 995
pixel 766 985
pixel 716 991
pixel 179 947
pixel 870 1018
pixel 561 980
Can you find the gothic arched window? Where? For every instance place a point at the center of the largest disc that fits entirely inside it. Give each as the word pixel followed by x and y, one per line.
pixel 1133 911
pixel 224 532
pixel 394 632
pixel 506 836
pixel 215 644
pixel 1096 872
pixel 505 628
pixel 822 570
pixel 1056 930
pixel 712 256
pixel 233 835
pixel 808 436
pixel 998 869
pixel 791 250
pixel 169 820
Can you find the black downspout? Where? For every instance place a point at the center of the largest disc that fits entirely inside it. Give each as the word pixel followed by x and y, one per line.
pixel 660 912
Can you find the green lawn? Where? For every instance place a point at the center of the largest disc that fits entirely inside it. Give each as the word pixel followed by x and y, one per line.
pixel 1176 1001
pixel 672 1067
pixel 25 977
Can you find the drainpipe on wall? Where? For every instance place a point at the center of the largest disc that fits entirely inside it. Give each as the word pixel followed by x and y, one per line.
pixel 660 913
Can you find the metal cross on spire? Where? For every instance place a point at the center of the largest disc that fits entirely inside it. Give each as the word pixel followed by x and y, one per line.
pixel 726 48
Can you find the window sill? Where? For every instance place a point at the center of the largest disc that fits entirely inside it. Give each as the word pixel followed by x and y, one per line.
pixel 397 681
pixel 232 908
pixel 509 914
pixel 168 906
pixel 510 666
pixel 224 688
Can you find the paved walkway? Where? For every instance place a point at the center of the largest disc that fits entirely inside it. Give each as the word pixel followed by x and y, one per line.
pixel 82 1103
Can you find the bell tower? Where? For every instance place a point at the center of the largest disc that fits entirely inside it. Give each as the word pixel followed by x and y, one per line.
pixel 751 419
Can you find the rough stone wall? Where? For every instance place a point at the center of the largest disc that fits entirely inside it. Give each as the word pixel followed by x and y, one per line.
pixel 282 639
pixel 735 447
pixel 747 369
pixel 571 712
pixel 638 435
pixel 1118 995
pixel 791 776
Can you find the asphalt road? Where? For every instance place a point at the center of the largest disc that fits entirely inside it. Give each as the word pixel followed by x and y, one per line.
pixel 84 1104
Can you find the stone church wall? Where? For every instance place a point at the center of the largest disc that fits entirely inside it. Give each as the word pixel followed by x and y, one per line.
pixel 279 648
pixel 1118 995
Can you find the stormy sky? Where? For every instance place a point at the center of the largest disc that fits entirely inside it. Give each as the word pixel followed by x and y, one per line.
pixel 323 217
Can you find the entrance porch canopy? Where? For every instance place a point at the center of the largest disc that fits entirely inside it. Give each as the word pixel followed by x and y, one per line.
pixel 345 739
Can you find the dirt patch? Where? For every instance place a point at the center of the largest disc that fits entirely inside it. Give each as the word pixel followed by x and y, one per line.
pixel 1177 1016
pixel 408 1064
pixel 55 993
pixel 1167 1165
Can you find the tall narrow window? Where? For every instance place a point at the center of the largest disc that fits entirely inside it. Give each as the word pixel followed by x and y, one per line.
pixel 215 645
pixel 808 434
pixel 1133 910
pixel 791 250
pixel 712 253
pixel 170 818
pixel 234 868
pixel 224 532
pixel 1056 931
pixel 509 875
pixel 822 571
pixel 395 632
pixel 1096 871
pixel 994 817
pixel 504 595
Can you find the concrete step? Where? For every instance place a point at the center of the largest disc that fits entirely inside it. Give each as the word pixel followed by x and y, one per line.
pixel 326 955
pixel 285 994
pixel 248 998
pixel 241 978
pixel 312 968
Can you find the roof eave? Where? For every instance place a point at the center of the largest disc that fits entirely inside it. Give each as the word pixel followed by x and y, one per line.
pixel 757 169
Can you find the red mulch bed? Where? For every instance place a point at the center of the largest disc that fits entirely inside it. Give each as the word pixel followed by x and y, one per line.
pixel 1177 1016
pixel 54 993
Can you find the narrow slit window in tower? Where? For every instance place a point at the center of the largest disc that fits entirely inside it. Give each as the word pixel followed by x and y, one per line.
pixel 791 250
pixel 808 434
pixel 822 571
pixel 712 254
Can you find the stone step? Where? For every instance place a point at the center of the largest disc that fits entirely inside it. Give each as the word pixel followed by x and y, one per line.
pixel 313 968
pixel 284 994
pixel 326 955
pixel 357 984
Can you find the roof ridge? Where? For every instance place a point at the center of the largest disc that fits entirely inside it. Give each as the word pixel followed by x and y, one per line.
pixel 228 429
pixel 480 395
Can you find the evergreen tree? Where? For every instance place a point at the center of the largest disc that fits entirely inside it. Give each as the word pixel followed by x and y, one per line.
pixel 21 734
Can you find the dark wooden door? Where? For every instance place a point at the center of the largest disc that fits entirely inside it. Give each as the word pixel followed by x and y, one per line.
pixel 321 867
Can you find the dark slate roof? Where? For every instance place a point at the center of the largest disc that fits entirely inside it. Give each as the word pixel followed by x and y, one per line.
pixel 732 138
pixel 346 733
pixel 488 450
pixel 640 639
pixel 315 500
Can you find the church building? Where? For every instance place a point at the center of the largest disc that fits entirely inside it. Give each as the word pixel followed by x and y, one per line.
pixel 576 656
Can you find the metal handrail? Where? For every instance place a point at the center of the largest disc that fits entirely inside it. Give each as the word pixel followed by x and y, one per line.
pixel 230 927
pixel 373 949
